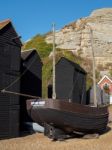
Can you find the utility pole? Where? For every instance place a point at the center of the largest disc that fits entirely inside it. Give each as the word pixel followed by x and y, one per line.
pixel 54 76
pixel 94 66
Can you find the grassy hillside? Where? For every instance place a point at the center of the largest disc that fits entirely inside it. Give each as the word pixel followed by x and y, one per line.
pixel 44 50
pixel 38 42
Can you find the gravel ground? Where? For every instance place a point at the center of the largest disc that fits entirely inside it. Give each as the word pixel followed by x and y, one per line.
pixel 40 142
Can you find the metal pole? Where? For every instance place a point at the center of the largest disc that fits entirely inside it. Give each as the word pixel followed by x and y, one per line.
pixel 94 67
pixel 54 87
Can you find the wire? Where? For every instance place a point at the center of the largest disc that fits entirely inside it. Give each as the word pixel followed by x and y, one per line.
pixel 16 93
pixel 19 76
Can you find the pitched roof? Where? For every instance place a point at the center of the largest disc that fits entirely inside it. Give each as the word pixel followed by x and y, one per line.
pixel 27 54
pixel 4 23
pixel 105 76
pixel 75 65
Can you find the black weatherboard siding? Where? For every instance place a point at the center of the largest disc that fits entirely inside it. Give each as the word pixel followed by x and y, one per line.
pixel 31 81
pixel 10 52
pixel 10 46
pixel 70 81
pixel 6 80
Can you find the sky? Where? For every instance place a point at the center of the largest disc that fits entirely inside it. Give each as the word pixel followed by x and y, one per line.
pixel 32 17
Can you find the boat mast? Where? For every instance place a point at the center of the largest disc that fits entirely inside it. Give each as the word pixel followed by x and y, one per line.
pixel 54 77
pixel 94 67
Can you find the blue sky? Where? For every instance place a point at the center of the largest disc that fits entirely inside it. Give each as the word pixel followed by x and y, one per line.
pixel 31 17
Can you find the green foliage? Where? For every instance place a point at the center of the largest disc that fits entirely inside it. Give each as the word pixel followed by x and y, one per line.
pixel 69 55
pixel 97 75
pixel 89 82
pixel 38 42
pixel 44 49
pixel 47 68
pixel 110 72
pixel 106 88
pixel 46 75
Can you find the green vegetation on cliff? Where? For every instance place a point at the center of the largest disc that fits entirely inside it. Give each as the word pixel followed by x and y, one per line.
pixel 38 42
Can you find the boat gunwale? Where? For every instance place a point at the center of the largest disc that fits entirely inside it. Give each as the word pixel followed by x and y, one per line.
pixel 74 107
pixel 64 105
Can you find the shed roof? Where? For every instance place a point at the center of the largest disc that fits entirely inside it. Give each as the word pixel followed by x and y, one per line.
pixel 26 54
pixel 75 65
pixel 4 23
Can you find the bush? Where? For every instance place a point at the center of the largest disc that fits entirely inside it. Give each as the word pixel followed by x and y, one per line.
pixel 38 42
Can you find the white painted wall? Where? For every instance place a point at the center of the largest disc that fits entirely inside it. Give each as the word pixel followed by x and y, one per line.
pixel 110 99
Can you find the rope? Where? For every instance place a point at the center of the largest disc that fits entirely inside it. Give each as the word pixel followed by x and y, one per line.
pixel 4 89
pixel 20 94
pixel 82 96
pixel 74 83
pixel 16 93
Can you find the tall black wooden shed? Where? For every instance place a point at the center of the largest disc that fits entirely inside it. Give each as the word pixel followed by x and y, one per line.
pixel 10 52
pixel 31 81
pixel 70 81
pixel 10 47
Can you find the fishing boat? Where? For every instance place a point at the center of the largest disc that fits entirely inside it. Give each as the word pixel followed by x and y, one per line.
pixel 66 117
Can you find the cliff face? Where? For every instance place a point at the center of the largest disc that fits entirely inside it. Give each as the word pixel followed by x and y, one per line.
pixel 77 38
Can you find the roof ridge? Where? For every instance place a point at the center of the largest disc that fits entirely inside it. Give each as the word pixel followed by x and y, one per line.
pixel 4 23
pixel 74 64
pixel 104 78
pixel 5 20
pixel 33 49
